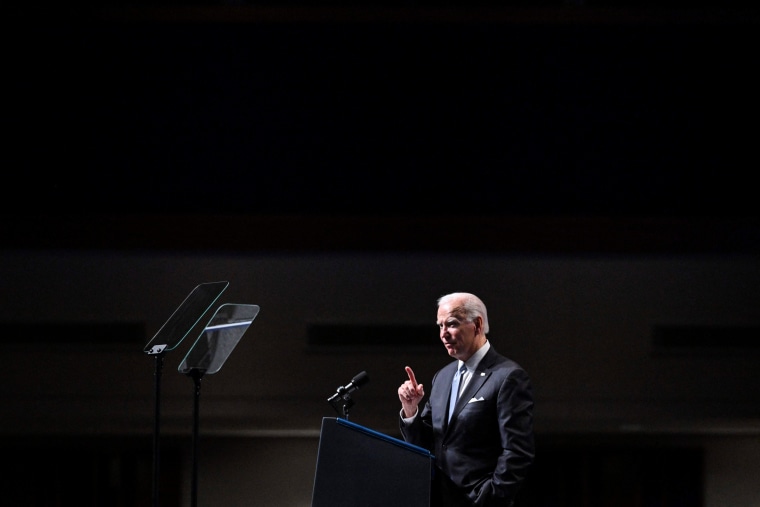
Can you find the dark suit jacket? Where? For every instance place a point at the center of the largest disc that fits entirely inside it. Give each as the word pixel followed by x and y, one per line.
pixel 488 446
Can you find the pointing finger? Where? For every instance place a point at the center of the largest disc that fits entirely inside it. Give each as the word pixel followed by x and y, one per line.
pixel 411 376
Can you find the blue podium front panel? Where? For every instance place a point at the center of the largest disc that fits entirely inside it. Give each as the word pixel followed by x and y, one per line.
pixel 359 467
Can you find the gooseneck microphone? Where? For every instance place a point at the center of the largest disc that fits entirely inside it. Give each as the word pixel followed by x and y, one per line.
pixel 343 392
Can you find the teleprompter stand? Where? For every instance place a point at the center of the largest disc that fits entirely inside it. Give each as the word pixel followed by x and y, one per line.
pixel 207 355
pixel 171 334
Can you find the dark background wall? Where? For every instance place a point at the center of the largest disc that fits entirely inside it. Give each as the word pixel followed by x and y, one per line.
pixel 586 169
pixel 383 109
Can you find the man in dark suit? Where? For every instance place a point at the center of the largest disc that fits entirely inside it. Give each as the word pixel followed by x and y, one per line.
pixel 483 452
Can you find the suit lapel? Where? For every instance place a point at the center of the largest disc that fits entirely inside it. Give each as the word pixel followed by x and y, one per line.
pixel 479 377
pixel 476 382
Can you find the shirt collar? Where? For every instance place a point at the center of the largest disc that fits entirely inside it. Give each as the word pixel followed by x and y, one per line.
pixel 473 361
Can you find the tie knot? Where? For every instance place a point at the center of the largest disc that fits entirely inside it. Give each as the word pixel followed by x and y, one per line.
pixel 462 369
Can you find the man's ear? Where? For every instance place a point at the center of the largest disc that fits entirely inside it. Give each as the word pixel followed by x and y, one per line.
pixel 478 324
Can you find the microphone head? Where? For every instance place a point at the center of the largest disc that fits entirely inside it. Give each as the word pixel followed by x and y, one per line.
pixel 360 379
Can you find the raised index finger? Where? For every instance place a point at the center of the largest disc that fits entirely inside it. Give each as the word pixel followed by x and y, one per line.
pixel 411 376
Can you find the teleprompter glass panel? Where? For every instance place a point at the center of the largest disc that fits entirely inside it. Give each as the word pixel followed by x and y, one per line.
pixel 219 338
pixel 185 317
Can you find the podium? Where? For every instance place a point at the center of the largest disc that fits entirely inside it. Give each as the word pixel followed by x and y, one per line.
pixel 357 466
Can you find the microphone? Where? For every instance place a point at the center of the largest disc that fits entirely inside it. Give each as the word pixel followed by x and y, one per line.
pixel 358 381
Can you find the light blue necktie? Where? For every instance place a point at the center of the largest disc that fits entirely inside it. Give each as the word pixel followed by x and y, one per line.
pixel 455 389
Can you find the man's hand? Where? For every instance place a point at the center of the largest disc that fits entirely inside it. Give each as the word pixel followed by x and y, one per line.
pixel 410 393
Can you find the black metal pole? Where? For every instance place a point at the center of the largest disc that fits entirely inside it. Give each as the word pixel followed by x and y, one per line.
pixel 197 375
pixel 157 429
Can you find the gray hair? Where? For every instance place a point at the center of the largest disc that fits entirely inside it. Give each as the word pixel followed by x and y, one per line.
pixel 471 304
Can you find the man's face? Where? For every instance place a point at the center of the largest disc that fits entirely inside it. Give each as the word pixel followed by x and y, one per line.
pixel 456 332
